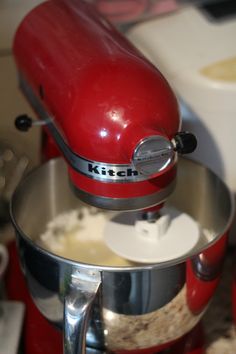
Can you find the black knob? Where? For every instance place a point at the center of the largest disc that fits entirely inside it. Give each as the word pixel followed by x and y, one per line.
pixel 185 142
pixel 23 122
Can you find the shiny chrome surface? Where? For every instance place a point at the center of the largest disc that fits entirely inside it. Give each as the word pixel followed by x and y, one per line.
pixel 123 308
pixel 153 155
pixel 75 327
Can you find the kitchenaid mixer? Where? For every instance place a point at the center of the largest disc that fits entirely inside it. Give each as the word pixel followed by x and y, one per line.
pixel 116 121
pixel 112 101
pixel 112 114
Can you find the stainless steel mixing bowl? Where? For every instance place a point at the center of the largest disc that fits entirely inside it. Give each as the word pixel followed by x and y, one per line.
pixel 121 309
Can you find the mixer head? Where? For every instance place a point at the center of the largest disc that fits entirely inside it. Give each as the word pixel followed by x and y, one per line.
pixel 110 111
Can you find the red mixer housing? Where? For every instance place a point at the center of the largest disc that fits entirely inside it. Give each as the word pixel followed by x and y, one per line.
pixel 110 111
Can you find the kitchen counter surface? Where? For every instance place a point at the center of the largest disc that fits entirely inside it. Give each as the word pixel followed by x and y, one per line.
pixel 218 324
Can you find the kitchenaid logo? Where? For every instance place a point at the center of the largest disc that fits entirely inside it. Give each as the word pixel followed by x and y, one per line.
pixel 112 172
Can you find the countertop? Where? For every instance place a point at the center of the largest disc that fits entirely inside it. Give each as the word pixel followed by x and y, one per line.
pixel 218 324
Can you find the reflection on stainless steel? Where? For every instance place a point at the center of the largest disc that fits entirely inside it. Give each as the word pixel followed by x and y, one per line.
pixel 134 307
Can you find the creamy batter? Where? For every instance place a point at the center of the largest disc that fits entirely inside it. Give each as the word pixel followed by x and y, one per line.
pixel 78 235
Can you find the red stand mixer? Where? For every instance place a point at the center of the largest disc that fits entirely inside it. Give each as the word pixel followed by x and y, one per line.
pixel 115 120
pixel 111 113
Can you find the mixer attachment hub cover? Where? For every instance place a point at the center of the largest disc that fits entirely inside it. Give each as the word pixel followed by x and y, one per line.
pixel 171 236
